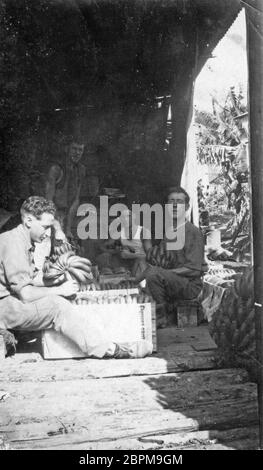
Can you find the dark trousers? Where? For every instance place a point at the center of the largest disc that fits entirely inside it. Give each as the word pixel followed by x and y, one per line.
pixel 166 286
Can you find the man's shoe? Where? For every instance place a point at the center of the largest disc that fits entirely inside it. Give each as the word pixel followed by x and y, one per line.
pixel 9 342
pixel 134 350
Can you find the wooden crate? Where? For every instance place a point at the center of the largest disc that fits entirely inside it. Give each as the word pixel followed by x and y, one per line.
pixel 187 313
pixel 123 323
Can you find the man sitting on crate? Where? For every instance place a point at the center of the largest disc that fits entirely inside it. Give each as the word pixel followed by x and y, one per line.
pixel 176 274
pixel 27 304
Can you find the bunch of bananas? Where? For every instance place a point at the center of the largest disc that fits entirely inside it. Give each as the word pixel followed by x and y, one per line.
pixel 233 325
pixel 59 247
pixel 244 286
pixel 68 266
pixel 108 286
pixel 158 255
pixel 83 286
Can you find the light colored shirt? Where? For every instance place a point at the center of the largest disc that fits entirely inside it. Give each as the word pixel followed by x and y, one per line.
pixel 17 267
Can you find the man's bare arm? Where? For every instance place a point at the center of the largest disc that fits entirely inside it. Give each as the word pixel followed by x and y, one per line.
pixel 147 244
pixel 53 175
pixel 184 271
pixel 70 216
pixel 73 211
pixel 31 293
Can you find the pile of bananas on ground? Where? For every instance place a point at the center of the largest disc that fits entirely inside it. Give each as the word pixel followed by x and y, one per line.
pixel 108 286
pixel 68 266
pixel 220 276
pixel 107 298
pixel 220 254
pixel 158 255
pixel 233 325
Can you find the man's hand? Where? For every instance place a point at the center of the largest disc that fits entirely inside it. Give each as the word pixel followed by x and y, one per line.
pixel 56 282
pixel 69 235
pixel 68 288
pixel 126 254
pixel 60 235
pixel 109 247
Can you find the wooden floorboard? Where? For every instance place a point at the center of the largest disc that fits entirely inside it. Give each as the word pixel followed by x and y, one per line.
pixel 245 438
pixel 97 410
pixel 174 399
pixel 176 352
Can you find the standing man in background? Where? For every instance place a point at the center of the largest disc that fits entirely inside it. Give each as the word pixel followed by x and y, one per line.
pixel 65 180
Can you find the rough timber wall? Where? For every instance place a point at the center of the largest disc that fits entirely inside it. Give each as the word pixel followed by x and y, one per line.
pixel 107 70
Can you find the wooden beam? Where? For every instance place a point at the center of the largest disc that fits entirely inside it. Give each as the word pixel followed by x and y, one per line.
pixel 254 17
pixel 182 109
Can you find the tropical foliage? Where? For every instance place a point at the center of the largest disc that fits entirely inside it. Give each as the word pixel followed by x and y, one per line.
pixel 221 149
pixel 220 127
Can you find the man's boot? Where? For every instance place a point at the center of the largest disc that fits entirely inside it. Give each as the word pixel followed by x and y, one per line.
pixel 9 341
pixel 133 350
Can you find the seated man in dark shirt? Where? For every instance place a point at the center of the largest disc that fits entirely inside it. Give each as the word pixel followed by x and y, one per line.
pixel 182 279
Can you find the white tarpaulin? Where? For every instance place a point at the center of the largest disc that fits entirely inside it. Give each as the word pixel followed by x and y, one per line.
pixel 189 177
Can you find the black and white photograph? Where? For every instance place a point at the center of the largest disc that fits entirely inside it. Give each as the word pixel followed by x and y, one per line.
pixel 131 228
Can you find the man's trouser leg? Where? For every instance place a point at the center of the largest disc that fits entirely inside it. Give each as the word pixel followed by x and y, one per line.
pixel 55 312
pixel 166 286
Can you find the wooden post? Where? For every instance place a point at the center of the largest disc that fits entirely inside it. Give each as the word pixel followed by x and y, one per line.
pixel 181 105
pixel 254 18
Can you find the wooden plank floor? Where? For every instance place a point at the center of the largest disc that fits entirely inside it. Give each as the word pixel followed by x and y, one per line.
pixel 175 399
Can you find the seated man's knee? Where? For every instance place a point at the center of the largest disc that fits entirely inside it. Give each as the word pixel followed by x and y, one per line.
pixel 153 274
pixel 59 304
